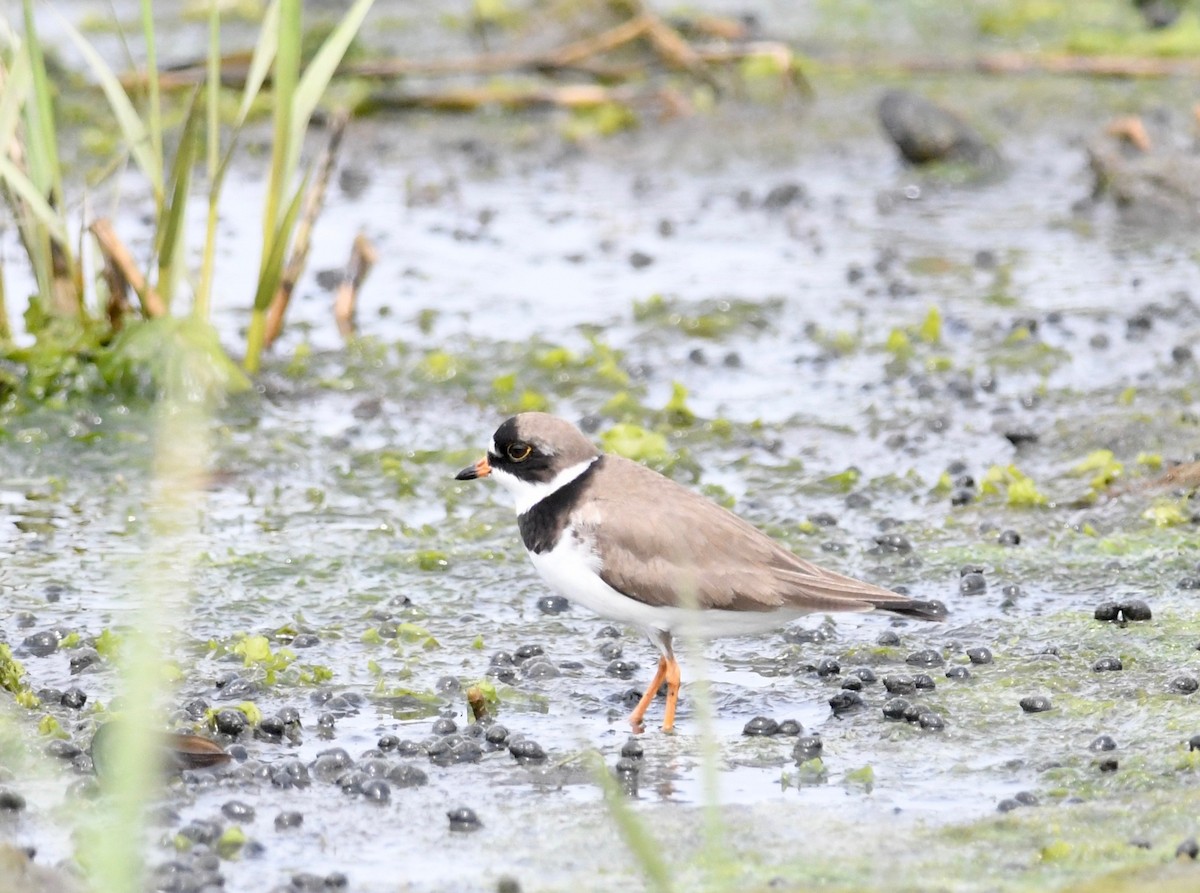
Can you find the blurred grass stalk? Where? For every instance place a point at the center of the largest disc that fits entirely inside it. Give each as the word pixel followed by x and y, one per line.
pixel 718 864
pixel 31 175
pixel 112 848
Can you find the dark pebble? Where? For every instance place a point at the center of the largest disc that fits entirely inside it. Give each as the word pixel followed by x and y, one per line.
pixel 893 542
pixel 1021 435
pixel 525 652
pixel 783 194
pixel 388 742
pixel 790 728
pixel 924 682
pixel 896 708
pixel 237 811
pixel 807 747
pixel 958 673
pixel 73 698
pixel 888 638
pixel 202 831
pixel 1107 611
pixel 1190 583
pixel 1035 704
pixel 41 644
pixel 1107 665
pixel 979 655
pixel 866 674
pixel 633 749
pixel 852 683
pixel 230 722
pixel 965 569
pixel 288 819
pixel 270 729
pixel 445 726
pixel 627 767
pixel 1102 743
pixel 376 790
pixel 11 801
pixel 408 748
pixel 640 259
pixel 1007 805
pixel 326 721
pixel 290 774
pixel 305 640
pixel 1184 685
pixel 1134 609
pixel 1026 798
pixel 539 668
pixel 502 659
pixel 899 685
pixel 1194 742
pixel 197 708
pixel 610 650
pixel 827 666
pixel 801 636
pixel 552 604
pixel 621 669
pixel 914 711
pixel 496 734
pixel 447 685
pixel 1009 538
pixel 608 632
pixel 1011 593
pixel 931 722
pixel 927 658
pixel 844 701
pixel 761 725
pixel 82 660
pixel 406 775
pixel 463 819
pixel 504 674
pixel 526 750
pixel 1108 764
pixel 972 584
pixel 1189 849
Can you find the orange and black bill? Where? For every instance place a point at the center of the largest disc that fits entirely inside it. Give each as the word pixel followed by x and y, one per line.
pixel 480 469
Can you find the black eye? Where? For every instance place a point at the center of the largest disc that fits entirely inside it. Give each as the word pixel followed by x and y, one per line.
pixel 519 452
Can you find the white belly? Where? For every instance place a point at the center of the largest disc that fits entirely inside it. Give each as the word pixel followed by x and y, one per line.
pixel 572 569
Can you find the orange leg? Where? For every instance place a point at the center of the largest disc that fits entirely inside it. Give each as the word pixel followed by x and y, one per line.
pixel 672 674
pixel 635 718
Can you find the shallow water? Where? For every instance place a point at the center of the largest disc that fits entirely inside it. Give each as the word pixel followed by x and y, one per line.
pixel 332 507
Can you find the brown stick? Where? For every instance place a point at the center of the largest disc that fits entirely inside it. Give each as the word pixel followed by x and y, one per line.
pixel 461 99
pixel 362 257
pixel 117 305
pixel 314 201
pixel 115 252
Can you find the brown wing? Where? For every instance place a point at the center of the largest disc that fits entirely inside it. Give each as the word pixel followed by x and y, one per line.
pixel 673 547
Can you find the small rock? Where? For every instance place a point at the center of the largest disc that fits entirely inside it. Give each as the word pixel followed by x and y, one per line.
pixel 230 722
pixel 924 132
pixel 1009 538
pixel 924 682
pixel 1194 742
pixel 972 584
pixel 761 726
pixel 1134 609
pixel 1184 685
pixel 552 604
pixel 406 775
pixel 931 722
pixel 827 666
pixel 899 685
pixel 288 819
pixel 852 683
pixel 888 638
pixel 73 698
pixel 445 726
pixel 790 728
pixel 1035 704
pixel 633 749
pixel 893 542
pixel 807 747
pixel 979 656
pixel 926 658
pixel 1102 743
pixel 1108 764
pixel 237 811
pixel 845 701
pixel 896 708
pixel 866 674
pixel 463 819
pixel 640 260
pixel 1107 612
pixel 958 673
pixel 1107 665
pixel 526 750
pixel 1189 849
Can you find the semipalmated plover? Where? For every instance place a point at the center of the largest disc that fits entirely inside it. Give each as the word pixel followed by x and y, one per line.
pixel 636 547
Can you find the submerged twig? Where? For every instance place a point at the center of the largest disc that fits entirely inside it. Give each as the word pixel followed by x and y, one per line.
pixel 362 258
pixel 314 201
pixel 115 252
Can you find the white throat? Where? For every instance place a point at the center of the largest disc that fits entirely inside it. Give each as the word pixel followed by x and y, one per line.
pixel 527 494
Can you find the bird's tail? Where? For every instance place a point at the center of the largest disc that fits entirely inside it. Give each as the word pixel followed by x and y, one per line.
pixel 921 609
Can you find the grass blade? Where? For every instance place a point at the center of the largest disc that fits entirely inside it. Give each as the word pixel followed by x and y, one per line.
pixel 321 70
pixel 171 221
pixel 132 128
pixel 12 96
pixel 203 299
pixel 283 88
pixel 260 59
pixel 274 252
pixel 42 157
pixel 155 111
pixel 25 189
